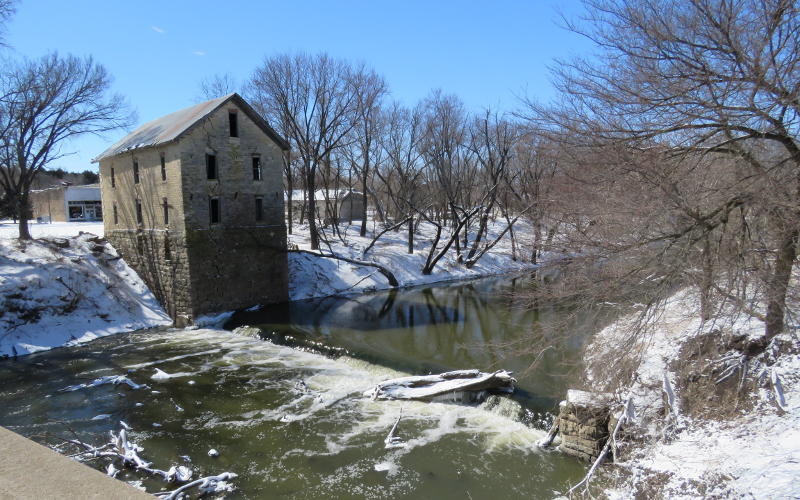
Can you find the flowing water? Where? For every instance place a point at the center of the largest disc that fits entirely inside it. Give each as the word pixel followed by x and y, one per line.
pixel 287 414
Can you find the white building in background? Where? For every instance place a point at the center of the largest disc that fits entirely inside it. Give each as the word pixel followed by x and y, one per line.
pixel 67 203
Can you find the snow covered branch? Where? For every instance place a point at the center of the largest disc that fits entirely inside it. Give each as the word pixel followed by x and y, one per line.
pixel 126 454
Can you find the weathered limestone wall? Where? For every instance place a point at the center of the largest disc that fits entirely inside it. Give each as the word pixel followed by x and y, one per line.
pixel 583 423
pixel 233 268
pixel 234 186
pixel 236 262
pixel 151 190
pixel 161 260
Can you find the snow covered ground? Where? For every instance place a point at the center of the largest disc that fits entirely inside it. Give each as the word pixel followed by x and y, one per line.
pixel 753 454
pixel 36 281
pixel 51 296
pixel 8 229
pixel 311 276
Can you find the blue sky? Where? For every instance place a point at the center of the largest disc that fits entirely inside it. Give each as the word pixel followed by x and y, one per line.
pixel 158 52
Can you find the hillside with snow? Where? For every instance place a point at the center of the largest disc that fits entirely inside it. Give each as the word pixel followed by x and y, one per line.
pixel 57 291
pixel 313 276
pixel 710 422
pixel 57 296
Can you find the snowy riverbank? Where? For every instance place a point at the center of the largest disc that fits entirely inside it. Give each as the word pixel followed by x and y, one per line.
pixel 716 442
pixel 311 276
pixel 58 296
pixel 52 296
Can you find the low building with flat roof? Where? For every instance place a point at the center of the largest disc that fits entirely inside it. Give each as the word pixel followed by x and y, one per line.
pixel 67 204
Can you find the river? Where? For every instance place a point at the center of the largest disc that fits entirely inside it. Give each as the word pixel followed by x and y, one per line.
pixel 287 414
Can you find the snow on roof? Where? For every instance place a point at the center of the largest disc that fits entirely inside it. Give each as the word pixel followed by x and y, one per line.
pixel 67 186
pixel 319 195
pixel 164 129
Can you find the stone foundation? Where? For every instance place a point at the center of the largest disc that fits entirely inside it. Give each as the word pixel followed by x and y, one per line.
pixel 160 259
pixel 583 423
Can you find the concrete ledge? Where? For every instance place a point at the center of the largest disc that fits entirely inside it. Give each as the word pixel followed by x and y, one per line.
pixel 30 470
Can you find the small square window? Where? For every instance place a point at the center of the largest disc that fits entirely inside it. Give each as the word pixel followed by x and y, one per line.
pixel 163 167
pixel 135 171
pixel 211 166
pixel 259 208
pixel 213 210
pixel 256 168
pixel 233 124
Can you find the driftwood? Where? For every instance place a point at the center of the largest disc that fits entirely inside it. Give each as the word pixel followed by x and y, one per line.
pixel 427 387
pixel 551 435
pixel 392 440
pixel 384 271
pixel 127 452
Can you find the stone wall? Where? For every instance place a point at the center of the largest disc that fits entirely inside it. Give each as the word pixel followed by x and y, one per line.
pixel 583 423
pixel 161 260
pixel 233 268
pixel 235 262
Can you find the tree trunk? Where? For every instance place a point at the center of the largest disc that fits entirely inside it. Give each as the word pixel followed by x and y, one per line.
pixel 364 204
pixel 24 215
pixel 289 208
pixel 411 235
pixel 707 282
pixel 779 283
pixel 312 210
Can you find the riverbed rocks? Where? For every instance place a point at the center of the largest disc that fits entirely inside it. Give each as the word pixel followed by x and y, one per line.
pixel 583 423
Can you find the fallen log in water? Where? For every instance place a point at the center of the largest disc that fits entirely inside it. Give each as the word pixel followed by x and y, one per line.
pixel 455 383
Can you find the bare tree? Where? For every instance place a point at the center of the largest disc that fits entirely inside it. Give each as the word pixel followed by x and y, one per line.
pixel 7 9
pixel 402 173
pixel 315 99
pixel 218 85
pixel 43 104
pixel 697 77
pixel 370 90
pixel 492 140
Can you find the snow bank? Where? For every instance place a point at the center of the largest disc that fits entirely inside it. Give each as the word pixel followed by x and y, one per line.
pixel 8 229
pixel 311 276
pixel 756 454
pixel 52 296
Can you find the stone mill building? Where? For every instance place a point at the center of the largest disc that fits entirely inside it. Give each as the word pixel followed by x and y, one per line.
pixel 193 201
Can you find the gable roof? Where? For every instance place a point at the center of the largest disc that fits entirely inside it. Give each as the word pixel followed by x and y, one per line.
pixel 172 126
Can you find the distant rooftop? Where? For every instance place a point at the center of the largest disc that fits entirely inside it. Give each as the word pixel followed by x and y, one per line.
pixel 170 127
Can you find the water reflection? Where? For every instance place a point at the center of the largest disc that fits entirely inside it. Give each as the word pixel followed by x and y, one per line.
pixel 295 424
pixel 484 324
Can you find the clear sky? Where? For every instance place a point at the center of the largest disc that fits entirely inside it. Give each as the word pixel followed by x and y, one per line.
pixel 488 53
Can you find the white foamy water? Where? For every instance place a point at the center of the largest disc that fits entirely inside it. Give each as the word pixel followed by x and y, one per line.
pixel 324 385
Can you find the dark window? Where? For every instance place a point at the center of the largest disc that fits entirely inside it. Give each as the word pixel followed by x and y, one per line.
pixel 163 167
pixel 113 180
pixel 259 208
pixel 166 211
pixel 167 249
pixel 140 244
pixel 135 171
pixel 116 216
pixel 234 126
pixel 256 168
pixel 211 166
pixel 139 212
pixel 213 210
